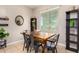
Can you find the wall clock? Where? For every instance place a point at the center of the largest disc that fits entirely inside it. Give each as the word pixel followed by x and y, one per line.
pixel 19 20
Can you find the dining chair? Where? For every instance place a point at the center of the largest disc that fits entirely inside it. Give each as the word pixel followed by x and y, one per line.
pixel 52 43
pixel 32 41
pixel 26 42
pixel 34 44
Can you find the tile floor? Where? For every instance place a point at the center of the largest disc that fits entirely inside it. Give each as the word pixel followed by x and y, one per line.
pixel 18 48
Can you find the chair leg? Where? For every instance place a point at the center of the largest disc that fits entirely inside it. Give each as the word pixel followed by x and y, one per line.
pixel 53 50
pixel 56 50
pixel 31 48
pixel 36 49
pixel 23 46
pixel 27 49
pixel 5 43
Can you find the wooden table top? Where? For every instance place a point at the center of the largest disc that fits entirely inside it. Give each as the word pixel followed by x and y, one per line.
pixel 41 36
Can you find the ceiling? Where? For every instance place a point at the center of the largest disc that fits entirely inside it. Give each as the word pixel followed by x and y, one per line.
pixel 36 6
pixel 33 6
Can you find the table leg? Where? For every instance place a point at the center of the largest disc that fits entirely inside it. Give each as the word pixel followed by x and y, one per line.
pixel 43 48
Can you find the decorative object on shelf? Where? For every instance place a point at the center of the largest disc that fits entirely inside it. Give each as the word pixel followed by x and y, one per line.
pixel 3 35
pixel 19 20
pixel 72 23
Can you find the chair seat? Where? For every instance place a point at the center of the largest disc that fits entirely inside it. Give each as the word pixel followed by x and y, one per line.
pixel 37 44
pixel 52 43
pixel 49 44
pixel 28 40
pixel 50 47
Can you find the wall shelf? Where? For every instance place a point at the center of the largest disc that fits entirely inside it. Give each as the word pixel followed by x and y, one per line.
pixel 73 34
pixel 3 24
pixel 72 18
pixel 4 19
pixel 74 42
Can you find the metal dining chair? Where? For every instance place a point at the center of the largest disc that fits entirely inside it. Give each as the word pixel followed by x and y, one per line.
pixel 34 44
pixel 52 43
pixel 26 42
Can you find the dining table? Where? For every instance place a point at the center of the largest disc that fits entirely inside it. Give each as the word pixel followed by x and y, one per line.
pixel 41 37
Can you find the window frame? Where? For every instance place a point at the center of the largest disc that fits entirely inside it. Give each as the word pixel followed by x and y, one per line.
pixel 49 10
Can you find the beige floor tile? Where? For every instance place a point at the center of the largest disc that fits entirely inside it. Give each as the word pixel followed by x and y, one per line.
pixel 18 48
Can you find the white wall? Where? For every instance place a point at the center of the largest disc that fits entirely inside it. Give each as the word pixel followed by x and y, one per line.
pixel 14 30
pixel 61 21
pixel 11 12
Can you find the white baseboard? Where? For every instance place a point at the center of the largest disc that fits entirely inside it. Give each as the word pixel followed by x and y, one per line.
pixel 22 41
pixel 15 42
pixel 61 44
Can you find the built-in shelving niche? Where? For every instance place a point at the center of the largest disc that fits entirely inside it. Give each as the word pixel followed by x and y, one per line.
pixel 72 30
pixel 5 20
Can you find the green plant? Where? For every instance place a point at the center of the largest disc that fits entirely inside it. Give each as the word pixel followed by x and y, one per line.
pixel 72 23
pixel 3 33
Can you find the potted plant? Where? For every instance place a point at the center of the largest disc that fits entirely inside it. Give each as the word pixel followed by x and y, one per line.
pixel 3 34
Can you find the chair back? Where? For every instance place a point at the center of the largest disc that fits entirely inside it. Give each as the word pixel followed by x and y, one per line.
pixel 26 37
pixel 54 40
pixel 32 39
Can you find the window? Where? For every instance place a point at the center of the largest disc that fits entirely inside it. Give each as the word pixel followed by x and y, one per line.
pixel 49 20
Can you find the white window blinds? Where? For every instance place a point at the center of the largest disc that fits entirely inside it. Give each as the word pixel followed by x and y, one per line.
pixel 49 20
